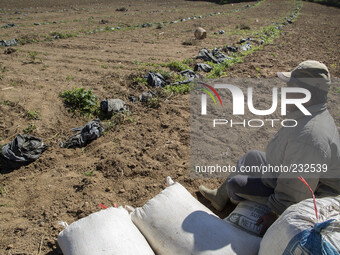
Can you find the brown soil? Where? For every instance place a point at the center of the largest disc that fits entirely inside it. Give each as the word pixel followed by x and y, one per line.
pixel 130 163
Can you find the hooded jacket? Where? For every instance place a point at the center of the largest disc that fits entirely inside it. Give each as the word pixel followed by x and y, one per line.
pixel 311 149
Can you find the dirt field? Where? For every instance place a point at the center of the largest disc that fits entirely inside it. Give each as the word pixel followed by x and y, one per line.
pixel 130 162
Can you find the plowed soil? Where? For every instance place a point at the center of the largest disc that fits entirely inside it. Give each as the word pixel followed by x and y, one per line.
pixel 130 162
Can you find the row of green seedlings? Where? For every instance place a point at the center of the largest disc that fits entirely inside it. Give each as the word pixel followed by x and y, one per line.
pixel 28 39
pixel 268 35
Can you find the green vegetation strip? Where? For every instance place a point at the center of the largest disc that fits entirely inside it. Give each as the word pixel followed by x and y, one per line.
pixel 267 35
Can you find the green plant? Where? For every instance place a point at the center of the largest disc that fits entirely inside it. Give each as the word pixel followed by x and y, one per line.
pixel 153 102
pixel 140 81
pixel 29 129
pixel 32 56
pixel 59 35
pixel 32 115
pixel 178 89
pixel 89 173
pixel 177 66
pixel 79 99
pixel 3 191
pixel 104 66
pixel 69 77
pixel 3 68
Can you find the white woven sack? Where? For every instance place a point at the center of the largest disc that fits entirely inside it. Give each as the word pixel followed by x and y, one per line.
pixel 301 217
pixel 107 232
pixel 174 222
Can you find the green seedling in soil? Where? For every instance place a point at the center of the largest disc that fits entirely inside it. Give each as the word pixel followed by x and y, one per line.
pixel 177 66
pixel 80 100
pixel 104 66
pixel 44 67
pixel 32 56
pixel 89 173
pixel 178 89
pixel 3 68
pixel 3 191
pixel 32 115
pixel 29 129
pixel 140 81
pixel 334 65
pixel 69 77
pixel 153 102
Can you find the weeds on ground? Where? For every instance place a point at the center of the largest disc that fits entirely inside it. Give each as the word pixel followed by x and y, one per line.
pixel 104 66
pixel 177 66
pixel 116 120
pixel 29 129
pixel 69 77
pixel 59 35
pixel 153 102
pixel 178 89
pixel 220 69
pixel 3 68
pixel 32 57
pixel 26 39
pixel 32 115
pixel 89 173
pixel 3 190
pixel 80 100
pixel 140 81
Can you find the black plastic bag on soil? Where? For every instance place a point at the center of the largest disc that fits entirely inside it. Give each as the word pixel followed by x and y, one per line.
pixel 216 56
pixel 9 43
pixel 155 79
pixel 245 47
pixel 202 67
pixel 108 107
pixel 23 150
pixel 84 135
pixel 190 77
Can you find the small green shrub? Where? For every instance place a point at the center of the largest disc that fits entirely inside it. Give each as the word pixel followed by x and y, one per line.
pixel 32 56
pixel 178 89
pixel 140 81
pixel 89 173
pixel 153 102
pixel 79 99
pixel 32 115
pixel 177 66
pixel 29 129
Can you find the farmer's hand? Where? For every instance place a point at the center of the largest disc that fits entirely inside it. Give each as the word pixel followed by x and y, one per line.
pixel 267 220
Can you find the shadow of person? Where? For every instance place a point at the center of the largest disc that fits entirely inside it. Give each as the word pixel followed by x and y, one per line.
pixel 212 234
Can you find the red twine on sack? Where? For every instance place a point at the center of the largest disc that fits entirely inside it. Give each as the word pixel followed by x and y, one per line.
pixel 304 181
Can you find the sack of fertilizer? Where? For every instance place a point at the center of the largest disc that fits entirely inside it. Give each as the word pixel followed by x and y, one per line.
pixel 174 222
pixel 299 231
pixel 107 232
pixel 246 214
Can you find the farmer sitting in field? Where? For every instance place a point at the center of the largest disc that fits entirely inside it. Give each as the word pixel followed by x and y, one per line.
pixel 314 143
